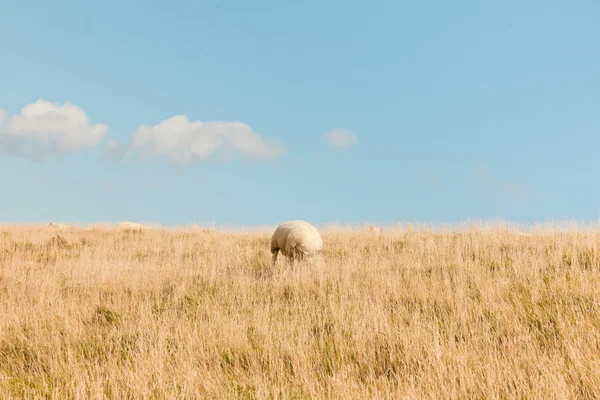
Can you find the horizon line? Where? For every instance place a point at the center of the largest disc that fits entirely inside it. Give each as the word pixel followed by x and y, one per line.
pixel 470 223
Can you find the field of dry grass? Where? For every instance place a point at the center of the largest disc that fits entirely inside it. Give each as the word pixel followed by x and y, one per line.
pixel 101 313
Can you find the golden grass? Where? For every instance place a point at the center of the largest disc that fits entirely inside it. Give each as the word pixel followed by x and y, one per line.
pixel 101 313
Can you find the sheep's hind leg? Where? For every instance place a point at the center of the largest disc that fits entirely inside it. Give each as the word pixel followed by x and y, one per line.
pixel 290 260
pixel 274 258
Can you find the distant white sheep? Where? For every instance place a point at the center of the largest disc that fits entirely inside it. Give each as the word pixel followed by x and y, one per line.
pixel 58 226
pixel 296 240
pixel 376 231
pixel 131 226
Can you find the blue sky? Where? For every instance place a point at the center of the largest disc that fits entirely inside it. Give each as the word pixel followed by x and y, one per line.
pixel 439 111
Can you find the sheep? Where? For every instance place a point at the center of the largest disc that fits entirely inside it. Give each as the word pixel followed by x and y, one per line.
pixel 58 226
pixel 131 226
pixel 376 231
pixel 296 240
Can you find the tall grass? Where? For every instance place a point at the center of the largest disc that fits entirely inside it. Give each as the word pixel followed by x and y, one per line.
pixel 409 313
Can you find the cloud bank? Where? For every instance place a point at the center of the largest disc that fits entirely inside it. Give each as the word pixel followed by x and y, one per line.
pixel 341 139
pixel 43 129
pixel 182 142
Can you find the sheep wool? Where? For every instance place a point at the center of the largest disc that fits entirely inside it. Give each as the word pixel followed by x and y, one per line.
pixel 296 240
pixel 131 226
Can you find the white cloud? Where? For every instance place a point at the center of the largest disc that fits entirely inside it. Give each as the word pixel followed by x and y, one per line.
pixel 182 141
pixel 341 139
pixel 43 129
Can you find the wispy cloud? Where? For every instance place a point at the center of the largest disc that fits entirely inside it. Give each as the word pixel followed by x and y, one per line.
pixel 341 139
pixel 510 190
pixel 44 129
pixel 182 142
pixel 114 150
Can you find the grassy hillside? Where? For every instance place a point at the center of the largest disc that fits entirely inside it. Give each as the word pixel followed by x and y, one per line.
pixel 103 313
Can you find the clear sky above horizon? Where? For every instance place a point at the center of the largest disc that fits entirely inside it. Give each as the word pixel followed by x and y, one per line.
pixel 243 113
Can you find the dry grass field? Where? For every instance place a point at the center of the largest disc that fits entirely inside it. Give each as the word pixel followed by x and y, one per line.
pixel 409 313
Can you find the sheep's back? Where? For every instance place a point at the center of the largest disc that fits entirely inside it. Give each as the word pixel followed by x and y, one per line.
pixel 297 235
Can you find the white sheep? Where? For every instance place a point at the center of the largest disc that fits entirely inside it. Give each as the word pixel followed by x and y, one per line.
pixel 296 240
pixel 58 226
pixel 131 226
pixel 375 231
